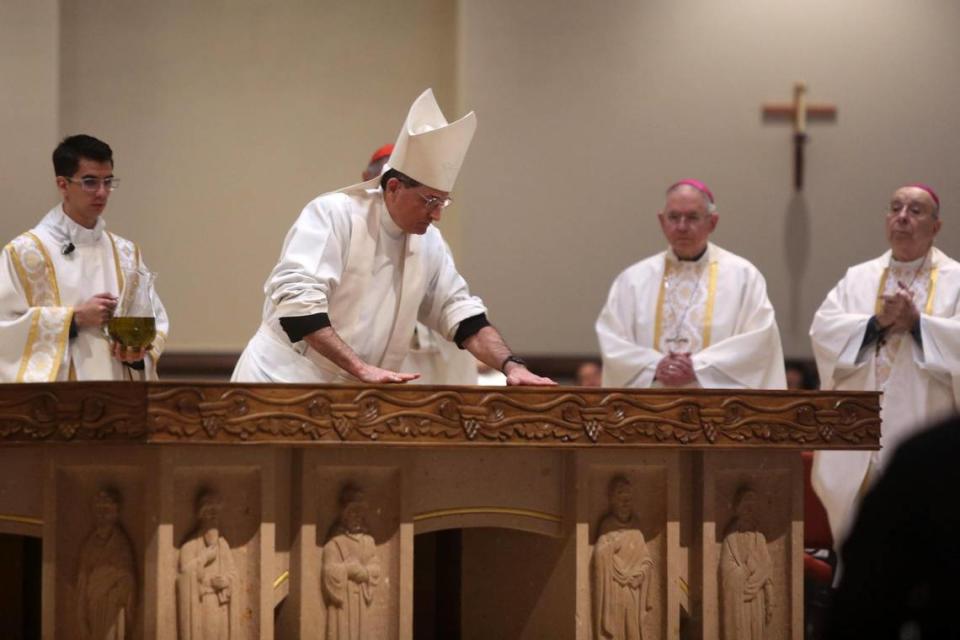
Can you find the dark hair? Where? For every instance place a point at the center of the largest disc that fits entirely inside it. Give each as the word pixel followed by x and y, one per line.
pixel 402 177
pixel 67 155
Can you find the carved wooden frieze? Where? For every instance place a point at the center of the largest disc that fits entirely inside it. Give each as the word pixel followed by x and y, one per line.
pixel 548 416
pixel 72 411
pixel 524 416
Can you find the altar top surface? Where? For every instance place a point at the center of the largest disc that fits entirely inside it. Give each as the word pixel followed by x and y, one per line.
pixel 447 416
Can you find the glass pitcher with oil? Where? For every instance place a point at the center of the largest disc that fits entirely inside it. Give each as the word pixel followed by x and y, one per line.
pixel 134 323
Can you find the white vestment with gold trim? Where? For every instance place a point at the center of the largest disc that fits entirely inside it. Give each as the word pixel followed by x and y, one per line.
pixel 346 257
pixel 39 287
pixel 715 308
pixel 920 383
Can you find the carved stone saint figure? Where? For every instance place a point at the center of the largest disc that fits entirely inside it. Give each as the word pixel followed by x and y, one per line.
pixel 746 586
pixel 622 568
pixel 351 569
pixel 207 579
pixel 106 580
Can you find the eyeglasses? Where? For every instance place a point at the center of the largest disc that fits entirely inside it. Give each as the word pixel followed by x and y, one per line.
pixel 692 220
pixel 432 202
pixel 92 185
pixel 913 209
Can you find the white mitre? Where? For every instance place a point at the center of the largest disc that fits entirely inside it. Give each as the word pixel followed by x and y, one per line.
pixel 429 149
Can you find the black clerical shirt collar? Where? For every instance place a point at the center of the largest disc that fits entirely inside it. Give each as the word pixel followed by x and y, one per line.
pixel 696 258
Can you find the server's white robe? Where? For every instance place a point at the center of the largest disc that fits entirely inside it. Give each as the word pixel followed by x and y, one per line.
pixel 346 257
pixel 736 341
pixel 923 383
pixel 39 288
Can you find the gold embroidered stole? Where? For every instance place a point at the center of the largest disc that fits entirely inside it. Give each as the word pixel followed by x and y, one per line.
pixel 681 307
pixel 50 322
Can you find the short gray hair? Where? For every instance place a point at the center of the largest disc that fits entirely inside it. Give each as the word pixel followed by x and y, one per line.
pixel 711 207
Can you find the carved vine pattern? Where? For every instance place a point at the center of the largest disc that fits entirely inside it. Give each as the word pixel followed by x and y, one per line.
pixel 165 412
pixel 39 414
pixel 437 416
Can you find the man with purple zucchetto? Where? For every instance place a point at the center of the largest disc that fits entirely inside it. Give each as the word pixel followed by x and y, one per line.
pixel 892 324
pixel 694 315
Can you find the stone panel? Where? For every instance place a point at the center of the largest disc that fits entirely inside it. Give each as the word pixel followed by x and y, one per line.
pixel 628 545
pixel 92 565
pixel 332 557
pixel 752 537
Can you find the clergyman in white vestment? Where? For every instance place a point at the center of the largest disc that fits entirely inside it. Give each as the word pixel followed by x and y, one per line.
pixel 891 324
pixel 59 282
pixel 694 315
pixel 437 360
pixel 362 265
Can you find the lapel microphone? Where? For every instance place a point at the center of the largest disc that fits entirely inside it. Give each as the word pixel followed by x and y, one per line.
pixel 67 249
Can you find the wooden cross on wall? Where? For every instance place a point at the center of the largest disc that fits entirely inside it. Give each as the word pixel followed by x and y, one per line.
pixel 799 111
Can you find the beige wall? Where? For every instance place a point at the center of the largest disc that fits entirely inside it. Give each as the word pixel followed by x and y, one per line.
pixel 226 118
pixel 29 34
pixel 587 113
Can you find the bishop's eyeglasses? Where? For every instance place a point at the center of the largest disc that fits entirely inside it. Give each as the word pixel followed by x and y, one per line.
pixel 692 220
pixel 913 209
pixel 432 202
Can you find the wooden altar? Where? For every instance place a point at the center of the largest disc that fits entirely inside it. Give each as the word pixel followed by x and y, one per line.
pixel 289 511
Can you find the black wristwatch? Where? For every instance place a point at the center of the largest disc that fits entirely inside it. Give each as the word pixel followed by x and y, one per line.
pixel 512 358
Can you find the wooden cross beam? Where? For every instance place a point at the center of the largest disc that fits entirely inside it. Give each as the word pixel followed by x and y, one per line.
pixel 799 111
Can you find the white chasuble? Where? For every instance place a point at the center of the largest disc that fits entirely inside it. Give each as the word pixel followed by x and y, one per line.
pixel 41 284
pixel 715 308
pixel 347 258
pixel 919 383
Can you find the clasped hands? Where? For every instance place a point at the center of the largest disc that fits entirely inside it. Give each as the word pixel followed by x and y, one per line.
pixel 675 370
pixel 96 313
pixel 898 313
